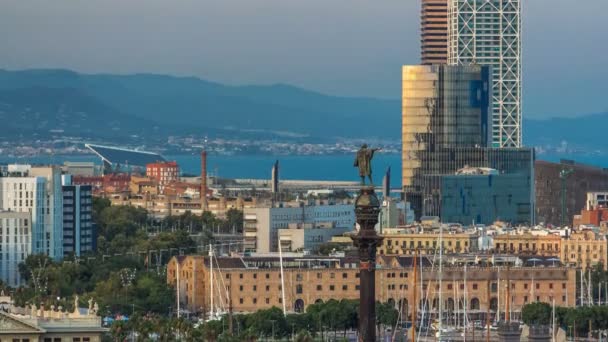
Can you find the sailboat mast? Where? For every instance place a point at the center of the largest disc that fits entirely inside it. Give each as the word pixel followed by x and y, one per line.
pixel 282 277
pixel 589 296
pixel 498 303
pixel 440 280
pixel 177 263
pixel 464 305
pixel 581 288
pixel 211 280
pixel 553 322
pixel 415 304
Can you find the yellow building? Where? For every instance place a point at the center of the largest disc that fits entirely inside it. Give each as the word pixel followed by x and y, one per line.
pixel 427 243
pixel 249 284
pixel 526 243
pixel 584 249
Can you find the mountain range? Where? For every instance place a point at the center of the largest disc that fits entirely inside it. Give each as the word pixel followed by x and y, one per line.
pixel 116 105
pixel 42 102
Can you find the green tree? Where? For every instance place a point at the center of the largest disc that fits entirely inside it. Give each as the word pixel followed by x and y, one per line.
pixel 536 313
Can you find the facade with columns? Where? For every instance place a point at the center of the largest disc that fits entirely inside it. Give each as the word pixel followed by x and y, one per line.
pixel 55 324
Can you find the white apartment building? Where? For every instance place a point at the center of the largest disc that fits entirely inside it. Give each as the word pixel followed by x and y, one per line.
pixel 37 191
pixel 15 244
pixel 261 225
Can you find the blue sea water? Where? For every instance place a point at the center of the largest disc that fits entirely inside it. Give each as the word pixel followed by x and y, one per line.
pixel 335 167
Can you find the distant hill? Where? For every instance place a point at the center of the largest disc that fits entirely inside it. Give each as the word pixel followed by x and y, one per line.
pixel 115 106
pixel 171 105
pixel 587 132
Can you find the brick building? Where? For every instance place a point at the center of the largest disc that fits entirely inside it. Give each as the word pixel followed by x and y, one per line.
pixel 582 180
pixel 253 283
pixel 164 173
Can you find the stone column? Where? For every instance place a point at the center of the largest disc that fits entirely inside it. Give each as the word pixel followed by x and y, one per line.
pixel 367 208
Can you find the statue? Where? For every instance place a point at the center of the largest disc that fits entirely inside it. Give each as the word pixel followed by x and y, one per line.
pixel 76 303
pixel 90 305
pixel 95 308
pixel 34 310
pixel 364 162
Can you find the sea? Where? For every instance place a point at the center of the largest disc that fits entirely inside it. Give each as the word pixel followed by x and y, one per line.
pixel 310 167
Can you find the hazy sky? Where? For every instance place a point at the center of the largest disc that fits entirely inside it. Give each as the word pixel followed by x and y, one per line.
pixel 342 47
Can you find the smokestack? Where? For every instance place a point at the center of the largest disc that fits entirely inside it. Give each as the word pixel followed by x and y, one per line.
pixel 275 177
pixel 386 183
pixel 204 180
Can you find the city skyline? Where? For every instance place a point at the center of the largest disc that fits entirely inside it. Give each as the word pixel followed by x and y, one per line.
pixel 315 49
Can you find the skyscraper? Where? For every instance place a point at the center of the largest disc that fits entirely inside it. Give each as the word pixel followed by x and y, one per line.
pixel 489 33
pixel 79 236
pixel 434 32
pixel 445 127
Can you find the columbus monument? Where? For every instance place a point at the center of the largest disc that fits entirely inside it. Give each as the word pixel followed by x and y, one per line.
pixel 367 208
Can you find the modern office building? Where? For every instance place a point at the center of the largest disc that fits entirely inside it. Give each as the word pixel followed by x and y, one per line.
pixel 15 244
pixel 489 33
pixel 582 179
pixel 79 236
pixel 483 196
pixel 434 32
pixel 36 190
pixel 261 225
pixel 445 128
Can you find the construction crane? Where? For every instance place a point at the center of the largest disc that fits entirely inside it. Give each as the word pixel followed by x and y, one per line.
pixel 563 175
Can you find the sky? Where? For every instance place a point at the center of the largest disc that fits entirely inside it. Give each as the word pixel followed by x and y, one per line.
pixel 337 47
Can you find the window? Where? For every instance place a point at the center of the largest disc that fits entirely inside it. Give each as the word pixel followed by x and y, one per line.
pixel 255 276
pixel 241 300
pixel 319 287
pixel 474 286
pixel 267 300
pixel 299 289
pixel 551 286
pixel 255 287
pixel 267 276
pixel 84 339
pixel 267 288
pixel 331 288
pixel 564 299
pixel 494 287
pixel 449 286
pixel 241 288
pixel 76 339
pixel 344 275
pixel 525 286
pixel 255 300
pixel 525 299
pixel 227 276
pixel 537 286
pixel 319 275
pixel 332 275
pixel 240 275
pixel 299 277
pixel 564 286
pixel 344 287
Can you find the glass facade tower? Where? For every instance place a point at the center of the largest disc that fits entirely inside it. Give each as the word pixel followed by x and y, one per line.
pixel 445 127
pixel 488 33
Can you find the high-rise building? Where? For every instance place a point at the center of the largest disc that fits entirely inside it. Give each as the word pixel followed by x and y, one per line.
pixel 15 244
pixel 489 33
pixel 445 128
pixel 36 190
pixel 79 235
pixel 434 32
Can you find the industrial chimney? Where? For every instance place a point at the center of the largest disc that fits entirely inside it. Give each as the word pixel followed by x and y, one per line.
pixel 204 205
